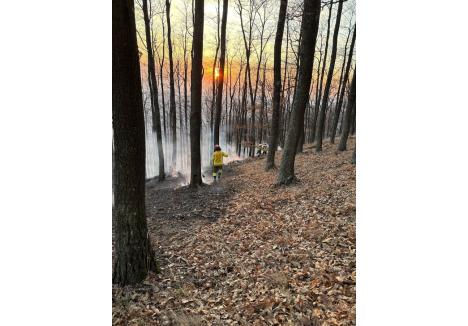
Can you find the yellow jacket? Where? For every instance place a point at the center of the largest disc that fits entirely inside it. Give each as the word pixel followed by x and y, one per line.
pixel 217 158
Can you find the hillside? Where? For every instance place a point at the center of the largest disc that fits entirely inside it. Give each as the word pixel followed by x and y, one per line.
pixel 245 252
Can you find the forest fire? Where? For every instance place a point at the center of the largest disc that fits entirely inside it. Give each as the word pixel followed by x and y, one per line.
pixel 215 89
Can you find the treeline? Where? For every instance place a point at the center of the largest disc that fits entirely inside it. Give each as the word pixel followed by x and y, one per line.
pixel 243 96
pixel 237 68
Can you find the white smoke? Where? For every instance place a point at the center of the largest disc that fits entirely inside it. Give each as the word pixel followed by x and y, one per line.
pixel 182 166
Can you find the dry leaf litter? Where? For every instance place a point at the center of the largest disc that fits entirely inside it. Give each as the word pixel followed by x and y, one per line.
pixel 245 252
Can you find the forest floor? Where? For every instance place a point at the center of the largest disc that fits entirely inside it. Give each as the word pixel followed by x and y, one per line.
pixel 245 252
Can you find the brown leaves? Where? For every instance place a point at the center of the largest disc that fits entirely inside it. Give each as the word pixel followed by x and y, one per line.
pixel 273 256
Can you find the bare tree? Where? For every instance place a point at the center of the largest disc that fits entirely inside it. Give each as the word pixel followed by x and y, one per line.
pixel 287 105
pixel 232 93
pixel 309 28
pixel 181 121
pixel 260 54
pixel 196 93
pixel 134 256
pixel 243 114
pixel 214 74
pixel 226 100
pixel 247 34
pixel 161 59
pixel 317 96
pixel 342 90
pixel 172 105
pixel 282 101
pixel 319 93
pixel 274 133
pixel 348 114
pixel 185 49
pixel 331 69
pixel 341 84
pixel 262 105
pixel 156 119
pixel 219 94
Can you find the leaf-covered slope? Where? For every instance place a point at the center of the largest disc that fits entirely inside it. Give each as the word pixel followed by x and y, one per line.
pixel 244 252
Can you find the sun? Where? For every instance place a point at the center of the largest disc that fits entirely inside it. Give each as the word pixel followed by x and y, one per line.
pixel 216 73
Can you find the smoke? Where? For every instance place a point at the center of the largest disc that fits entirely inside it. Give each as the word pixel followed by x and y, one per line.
pixel 181 169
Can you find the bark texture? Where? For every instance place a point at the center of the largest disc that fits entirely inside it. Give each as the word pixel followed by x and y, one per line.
pixel 275 118
pixel 348 114
pixel 324 64
pixel 156 118
pixel 133 254
pixel 326 93
pixel 172 105
pixel 222 58
pixel 309 28
pixel 342 89
pixel 196 92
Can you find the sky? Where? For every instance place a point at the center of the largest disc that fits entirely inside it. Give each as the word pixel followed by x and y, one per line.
pixel 235 45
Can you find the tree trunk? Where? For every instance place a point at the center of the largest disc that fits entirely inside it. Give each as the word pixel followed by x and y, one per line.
pixel 300 141
pixel 172 105
pixel 248 47
pixel 181 121
pixel 308 114
pixel 253 130
pixel 233 126
pixel 196 94
pixel 185 82
pixel 161 70
pixel 340 129
pixel 348 114
pixel 262 105
pixel 226 106
pixel 352 129
pixel 287 110
pixel 317 97
pixel 309 28
pixel 153 91
pixel 219 94
pixel 282 113
pixel 243 111
pixel 343 87
pixel 326 93
pixel 134 256
pixel 324 64
pixel 213 75
pixel 329 117
pixel 336 114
